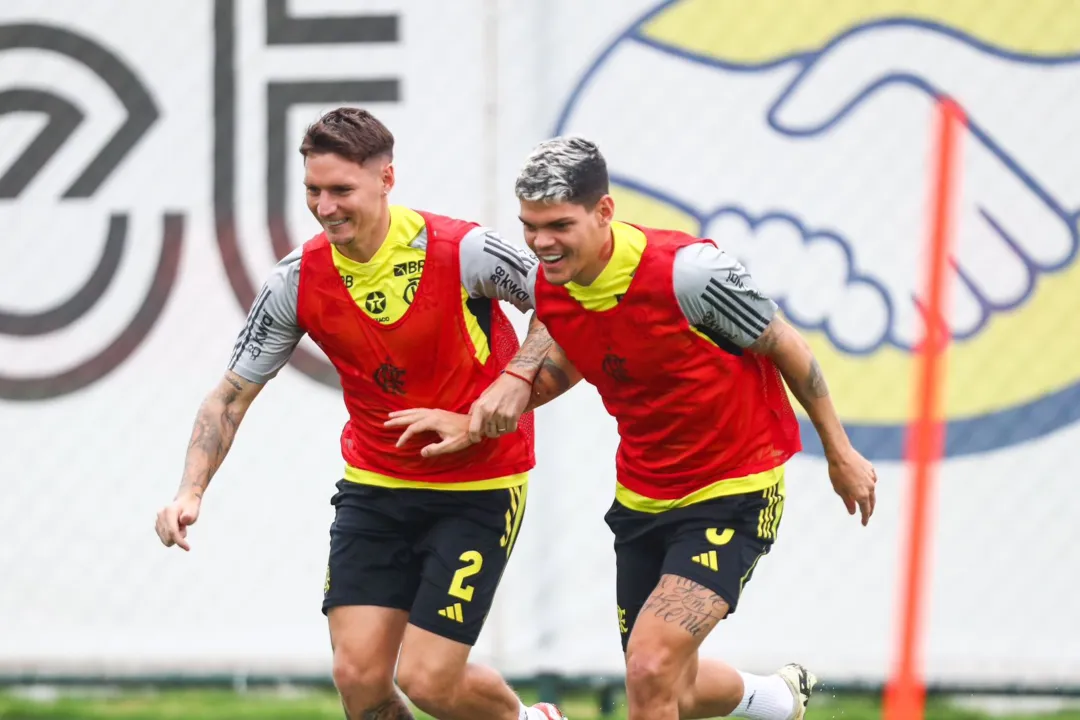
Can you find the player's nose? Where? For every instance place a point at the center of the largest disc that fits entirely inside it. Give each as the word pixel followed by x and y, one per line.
pixel 543 242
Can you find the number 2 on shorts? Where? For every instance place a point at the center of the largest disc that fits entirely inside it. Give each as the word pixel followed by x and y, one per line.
pixel 473 562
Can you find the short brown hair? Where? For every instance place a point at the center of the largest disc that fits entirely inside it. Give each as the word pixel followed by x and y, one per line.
pixel 352 133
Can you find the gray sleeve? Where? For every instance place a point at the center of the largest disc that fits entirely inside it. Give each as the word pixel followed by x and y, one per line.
pixel 271 332
pixel 718 296
pixel 494 268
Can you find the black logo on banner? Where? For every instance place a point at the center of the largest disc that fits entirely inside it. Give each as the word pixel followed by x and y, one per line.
pixel 284 33
pixel 63 116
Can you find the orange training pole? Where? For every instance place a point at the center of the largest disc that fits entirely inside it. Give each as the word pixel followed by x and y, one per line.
pixel 906 692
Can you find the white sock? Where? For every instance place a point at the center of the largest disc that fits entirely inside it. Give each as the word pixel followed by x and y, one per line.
pixel 765 697
pixel 523 713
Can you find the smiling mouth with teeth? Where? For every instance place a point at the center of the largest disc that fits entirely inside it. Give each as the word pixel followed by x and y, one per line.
pixel 551 258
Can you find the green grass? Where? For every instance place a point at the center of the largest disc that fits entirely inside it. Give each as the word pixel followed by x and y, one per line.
pixel 272 705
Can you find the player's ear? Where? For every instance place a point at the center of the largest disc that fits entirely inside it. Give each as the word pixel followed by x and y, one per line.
pixel 605 209
pixel 388 178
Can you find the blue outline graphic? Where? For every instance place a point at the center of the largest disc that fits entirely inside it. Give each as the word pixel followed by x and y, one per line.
pixel 883 442
pixel 808 236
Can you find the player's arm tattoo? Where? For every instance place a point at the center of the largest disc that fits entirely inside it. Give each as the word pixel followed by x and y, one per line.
pixel 392 709
pixel 556 376
pixel 794 359
pixel 802 373
pixel 683 602
pixel 816 381
pixel 533 350
pixel 215 428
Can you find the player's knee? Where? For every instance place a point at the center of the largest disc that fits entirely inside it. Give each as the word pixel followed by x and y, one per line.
pixel 428 685
pixel 356 674
pixel 652 672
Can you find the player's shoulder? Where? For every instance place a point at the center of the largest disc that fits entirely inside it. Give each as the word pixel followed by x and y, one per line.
pixel 703 254
pixel 704 265
pixel 700 261
pixel 315 242
pixel 285 275
pixel 482 243
pixel 446 225
pixel 291 262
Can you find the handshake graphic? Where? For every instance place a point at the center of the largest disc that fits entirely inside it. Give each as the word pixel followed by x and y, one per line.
pixel 816 171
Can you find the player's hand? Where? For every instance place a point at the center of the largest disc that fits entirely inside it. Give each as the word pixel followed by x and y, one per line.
pixel 173 520
pixel 497 410
pixel 854 480
pixel 452 429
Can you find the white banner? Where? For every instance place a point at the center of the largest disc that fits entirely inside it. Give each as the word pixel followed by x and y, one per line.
pixel 149 179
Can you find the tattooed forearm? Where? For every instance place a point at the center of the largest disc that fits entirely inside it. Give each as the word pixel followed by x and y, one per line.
pixel 806 381
pixel 815 382
pixel 212 436
pixel 550 383
pixel 801 372
pixel 533 350
pixel 796 362
pixel 392 709
pixel 555 377
pixel 691 606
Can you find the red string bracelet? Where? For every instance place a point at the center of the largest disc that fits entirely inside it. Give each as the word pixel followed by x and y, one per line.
pixel 519 377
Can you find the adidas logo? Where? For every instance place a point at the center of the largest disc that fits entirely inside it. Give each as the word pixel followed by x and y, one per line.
pixel 453 612
pixel 708 559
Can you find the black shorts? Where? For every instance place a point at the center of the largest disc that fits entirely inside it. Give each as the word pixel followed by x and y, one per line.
pixel 716 543
pixel 438 554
